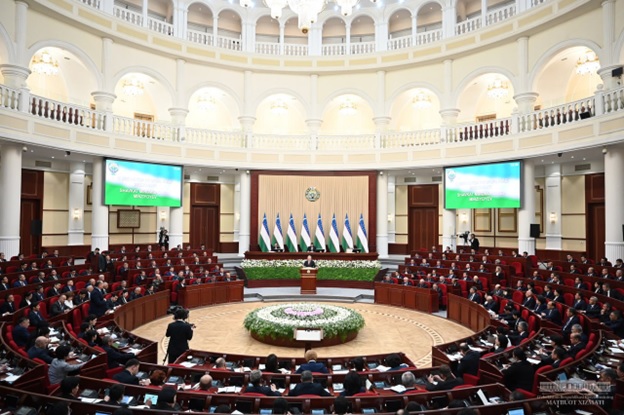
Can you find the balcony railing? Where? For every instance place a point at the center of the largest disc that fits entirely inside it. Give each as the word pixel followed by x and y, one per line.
pixel 494 16
pixel 82 117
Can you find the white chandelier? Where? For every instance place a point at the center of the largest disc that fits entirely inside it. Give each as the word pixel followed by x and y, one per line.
pixel 279 107
pixel 421 101
pixel 206 102
pixel 43 63
pixel 133 87
pixel 498 89
pixel 588 63
pixel 307 10
pixel 347 107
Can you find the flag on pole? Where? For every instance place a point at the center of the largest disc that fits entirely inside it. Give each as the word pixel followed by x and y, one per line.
pixel 265 240
pixel 334 241
pixel 362 236
pixel 319 235
pixel 304 240
pixel 347 236
pixel 291 236
pixel 277 234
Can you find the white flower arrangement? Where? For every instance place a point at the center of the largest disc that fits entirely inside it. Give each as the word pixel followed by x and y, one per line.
pixel 275 263
pixel 280 321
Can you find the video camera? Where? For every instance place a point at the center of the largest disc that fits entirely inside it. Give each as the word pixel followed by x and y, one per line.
pixel 464 236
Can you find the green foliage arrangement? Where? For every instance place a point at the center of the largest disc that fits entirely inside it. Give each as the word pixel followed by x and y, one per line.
pixel 280 321
pixel 327 270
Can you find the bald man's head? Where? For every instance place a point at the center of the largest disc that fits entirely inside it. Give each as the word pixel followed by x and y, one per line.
pixel 205 382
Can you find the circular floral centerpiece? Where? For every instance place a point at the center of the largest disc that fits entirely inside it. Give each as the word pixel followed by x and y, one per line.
pixel 276 324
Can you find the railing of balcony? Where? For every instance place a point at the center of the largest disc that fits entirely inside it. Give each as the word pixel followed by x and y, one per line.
pixel 428 37
pixel 613 100
pixel 402 42
pixel 160 26
pixel 145 129
pixel 360 48
pixel 562 114
pixel 212 138
pixel 202 38
pixel 410 138
pixel 467 26
pixel 485 129
pixel 268 48
pixel 334 49
pixel 93 3
pixel 67 113
pixel 229 43
pixel 346 142
pixel 128 15
pixel 9 98
pixel 283 142
pixel 501 14
pixel 295 49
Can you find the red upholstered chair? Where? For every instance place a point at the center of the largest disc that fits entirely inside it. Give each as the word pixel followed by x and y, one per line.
pixel 524 314
pixel 80 285
pixel 580 354
pixel 43 309
pixel 85 310
pixel 112 372
pixel 517 267
pixel 471 379
pixel 517 296
pixel 174 295
pixel 568 298
pixel 76 316
pixel 45 378
pixel 566 361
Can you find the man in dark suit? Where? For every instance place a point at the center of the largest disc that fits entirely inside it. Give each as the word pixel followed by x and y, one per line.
pixel 552 314
pixel 59 307
pixel 9 305
pixel 529 301
pixel 474 242
pixel 444 380
pixel 255 378
pixel 40 350
pixel 469 363
pixel 576 345
pixel 520 373
pixel 55 290
pixel 35 317
pixel 4 284
pixel 593 309
pixel 309 262
pixel 128 375
pixel 179 333
pixel 115 358
pixel 474 295
pixel 540 305
pixel 572 319
pixel 38 295
pixel 616 323
pixel 491 304
pixel 579 304
pixel 311 364
pixel 98 304
pixel 21 335
pixel 308 387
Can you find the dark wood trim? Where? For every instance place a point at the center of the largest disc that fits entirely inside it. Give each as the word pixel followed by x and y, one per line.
pixel 372 200
pixel 398 249
pixel 228 247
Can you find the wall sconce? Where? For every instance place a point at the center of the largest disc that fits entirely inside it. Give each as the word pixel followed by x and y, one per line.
pixel 553 217
pixel 237 216
pixel 390 217
pixel 463 217
pixel 163 216
pixel 76 214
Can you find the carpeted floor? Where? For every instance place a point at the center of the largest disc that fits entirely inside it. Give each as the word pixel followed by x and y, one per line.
pixel 388 329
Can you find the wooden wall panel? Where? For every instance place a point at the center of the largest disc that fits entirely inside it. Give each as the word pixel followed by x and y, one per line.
pixel 423 212
pixel 595 215
pixel 205 215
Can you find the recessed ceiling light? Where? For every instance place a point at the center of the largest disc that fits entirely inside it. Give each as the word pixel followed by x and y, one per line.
pixel 571 157
pixel 52 157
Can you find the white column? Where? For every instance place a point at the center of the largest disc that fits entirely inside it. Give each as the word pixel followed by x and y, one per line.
pixel 237 204
pixel 526 215
pixel 315 40
pixel 245 213
pixel 104 102
pixel 348 39
pixel 553 206
pixel 381 35
pixel 449 229
pixel 180 18
pixel 414 29
pixel 249 36
pixel 392 208
pixel 382 215
pixel 75 228
pixel 215 30
pixel 484 11
pixel 282 26
pixel 107 6
pixel 21 26
pixel 614 214
pixel 99 211
pixel 107 60
pixel 144 12
pixel 608 32
pixel 10 202
pixel 449 21
pixel 163 219
pixel 176 226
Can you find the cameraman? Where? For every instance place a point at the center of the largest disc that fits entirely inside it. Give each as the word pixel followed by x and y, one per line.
pixel 163 239
pixel 179 333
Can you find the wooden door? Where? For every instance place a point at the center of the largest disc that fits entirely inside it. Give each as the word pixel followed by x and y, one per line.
pixel 595 215
pixel 423 216
pixel 205 215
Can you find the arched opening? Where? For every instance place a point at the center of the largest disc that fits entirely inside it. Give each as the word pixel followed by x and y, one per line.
pixel 334 37
pixel 487 97
pixel 60 75
pixel 348 114
pixel 267 35
pixel 362 35
pixel 159 14
pixel 429 17
pixel 200 23
pixel 280 114
pixel 212 108
pixel 415 109
pixel 141 97
pixel 295 41
pixel 568 76
pixel 400 29
pixel 229 29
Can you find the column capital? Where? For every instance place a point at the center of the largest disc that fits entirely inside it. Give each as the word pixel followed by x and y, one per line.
pixel 15 75
pixel 381 121
pixel 449 116
pixel 525 101
pixel 608 80
pixel 103 100
pixel 247 122
pixel 314 122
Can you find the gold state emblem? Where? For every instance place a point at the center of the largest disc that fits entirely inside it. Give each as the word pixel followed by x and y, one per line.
pixel 312 194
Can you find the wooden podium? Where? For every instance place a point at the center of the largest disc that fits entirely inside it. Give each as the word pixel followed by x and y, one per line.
pixel 308 280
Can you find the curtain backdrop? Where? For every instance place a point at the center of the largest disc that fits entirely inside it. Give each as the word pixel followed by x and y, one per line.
pixel 339 194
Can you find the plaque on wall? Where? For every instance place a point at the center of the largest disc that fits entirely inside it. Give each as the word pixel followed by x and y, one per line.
pixel 128 218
